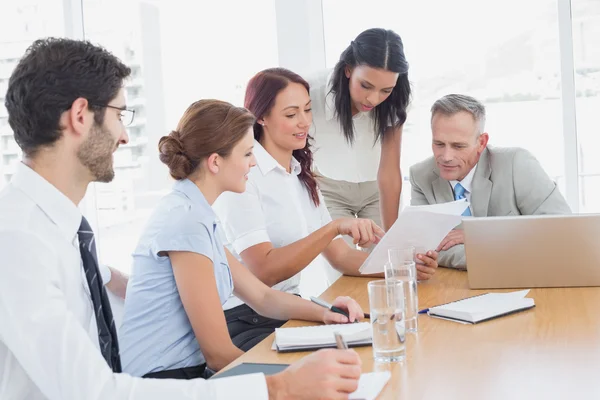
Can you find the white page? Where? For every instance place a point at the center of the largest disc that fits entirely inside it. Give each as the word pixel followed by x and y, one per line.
pixel 451 208
pixel 370 385
pixel 322 334
pixel 485 303
pixel 416 226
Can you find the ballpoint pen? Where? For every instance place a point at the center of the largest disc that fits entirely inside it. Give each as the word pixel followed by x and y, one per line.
pixel 325 304
pixel 339 341
pixel 333 308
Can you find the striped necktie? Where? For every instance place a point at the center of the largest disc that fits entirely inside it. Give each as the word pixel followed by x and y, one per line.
pixel 107 333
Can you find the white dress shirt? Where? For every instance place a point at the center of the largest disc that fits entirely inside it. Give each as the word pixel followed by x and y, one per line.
pixel 276 207
pixel 334 157
pixel 467 183
pixel 48 334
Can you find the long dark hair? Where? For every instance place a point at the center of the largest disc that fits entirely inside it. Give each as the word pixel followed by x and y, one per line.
pixel 260 98
pixel 381 49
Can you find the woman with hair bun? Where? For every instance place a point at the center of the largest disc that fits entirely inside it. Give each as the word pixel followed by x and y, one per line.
pixel 173 325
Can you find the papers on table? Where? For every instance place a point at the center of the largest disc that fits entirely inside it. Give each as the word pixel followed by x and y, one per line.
pixel 423 227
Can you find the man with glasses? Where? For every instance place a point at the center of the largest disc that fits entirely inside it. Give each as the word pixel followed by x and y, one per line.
pixel 58 340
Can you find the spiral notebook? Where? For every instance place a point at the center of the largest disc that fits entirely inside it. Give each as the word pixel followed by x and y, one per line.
pixel 484 307
pixel 321 336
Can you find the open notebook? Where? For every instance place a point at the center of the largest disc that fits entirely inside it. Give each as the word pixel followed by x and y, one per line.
pixel 484 307
pixel 321 336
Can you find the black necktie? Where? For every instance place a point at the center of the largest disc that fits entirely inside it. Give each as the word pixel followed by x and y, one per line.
pixel 107 333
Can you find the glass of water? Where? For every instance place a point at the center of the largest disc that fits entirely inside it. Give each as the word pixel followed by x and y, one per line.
pixel 401 267
pixel 386 301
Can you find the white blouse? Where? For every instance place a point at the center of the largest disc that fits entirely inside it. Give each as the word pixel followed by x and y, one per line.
pixel 334 157
pixel 276 207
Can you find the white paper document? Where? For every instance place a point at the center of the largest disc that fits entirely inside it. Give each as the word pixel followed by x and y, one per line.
pixel 370 385
pixel 423 227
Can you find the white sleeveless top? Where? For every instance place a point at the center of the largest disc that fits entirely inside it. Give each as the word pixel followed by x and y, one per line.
pixel 334 157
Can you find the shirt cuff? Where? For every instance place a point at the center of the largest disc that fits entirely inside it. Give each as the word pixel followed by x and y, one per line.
pixel 250 239
pixel 105 273
pixel 253 386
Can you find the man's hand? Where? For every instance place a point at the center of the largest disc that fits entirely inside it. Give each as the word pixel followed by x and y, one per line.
pixel 326 374
pixel 426 265
pixel 456 236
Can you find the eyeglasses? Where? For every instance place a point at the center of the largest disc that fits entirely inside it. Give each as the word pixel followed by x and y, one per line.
pixel 125 116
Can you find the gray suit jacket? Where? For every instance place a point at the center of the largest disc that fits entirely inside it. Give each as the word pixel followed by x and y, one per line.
pixel 507 181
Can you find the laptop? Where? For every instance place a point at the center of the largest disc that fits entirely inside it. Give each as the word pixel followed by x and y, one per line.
pixel 533 251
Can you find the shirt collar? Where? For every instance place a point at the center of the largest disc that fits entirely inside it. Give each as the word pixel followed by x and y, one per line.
pixel 192 192
pixel 330 104
pixel 266 163
pixel 58 207
pixel 467 181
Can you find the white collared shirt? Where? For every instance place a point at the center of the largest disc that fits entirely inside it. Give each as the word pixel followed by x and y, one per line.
pixel 276 207
pixel 467 183
pixel 48 334
pixel 334 157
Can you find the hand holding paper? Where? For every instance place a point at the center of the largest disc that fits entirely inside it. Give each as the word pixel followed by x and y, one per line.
pixel 423 227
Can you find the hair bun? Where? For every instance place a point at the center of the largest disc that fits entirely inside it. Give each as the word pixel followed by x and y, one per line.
pixel 172 154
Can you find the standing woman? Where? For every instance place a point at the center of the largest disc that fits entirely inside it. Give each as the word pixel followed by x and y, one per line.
pixel 359 109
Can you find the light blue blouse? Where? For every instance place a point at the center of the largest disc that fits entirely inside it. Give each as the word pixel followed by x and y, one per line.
pixel 156 334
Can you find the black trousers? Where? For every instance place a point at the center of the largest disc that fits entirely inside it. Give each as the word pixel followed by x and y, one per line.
pixel 200 371
pixel 247 328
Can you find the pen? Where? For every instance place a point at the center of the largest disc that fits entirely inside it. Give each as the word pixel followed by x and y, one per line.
pixel 425 311
pixel 339 341
pixel 325 304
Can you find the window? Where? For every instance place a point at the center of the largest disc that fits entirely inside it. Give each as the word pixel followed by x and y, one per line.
pixel 21 23
pixel 586 52
pixel 179 52
pixel 505 54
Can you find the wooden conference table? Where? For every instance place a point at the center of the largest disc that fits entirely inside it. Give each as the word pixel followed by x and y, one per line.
pixel 549 352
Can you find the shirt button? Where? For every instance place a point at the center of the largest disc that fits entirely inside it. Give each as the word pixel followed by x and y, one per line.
pixel 255 320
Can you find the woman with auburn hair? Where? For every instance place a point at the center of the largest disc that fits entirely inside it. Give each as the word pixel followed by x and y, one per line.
pixel 173 324
pixel 280 224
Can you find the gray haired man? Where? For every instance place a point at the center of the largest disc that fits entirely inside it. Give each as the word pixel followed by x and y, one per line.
pixel 496 181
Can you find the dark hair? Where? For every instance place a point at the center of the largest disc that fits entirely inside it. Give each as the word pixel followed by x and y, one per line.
pixel 260 98
pixel 52 74
pixel 381 49
pixel 206 127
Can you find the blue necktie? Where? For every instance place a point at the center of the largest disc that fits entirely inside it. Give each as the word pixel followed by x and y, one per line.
pixel 459 194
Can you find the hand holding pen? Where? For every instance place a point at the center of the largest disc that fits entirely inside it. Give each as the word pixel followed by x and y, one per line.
pixel 343 310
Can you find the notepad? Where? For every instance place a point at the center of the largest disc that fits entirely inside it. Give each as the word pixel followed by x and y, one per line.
pixel 321 336
pixel 251 368
pixel 370 385
pixel 484 307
